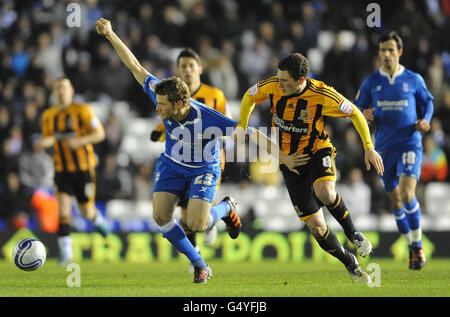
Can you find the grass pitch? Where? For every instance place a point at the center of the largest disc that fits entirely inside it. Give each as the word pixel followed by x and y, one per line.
pixel 265 279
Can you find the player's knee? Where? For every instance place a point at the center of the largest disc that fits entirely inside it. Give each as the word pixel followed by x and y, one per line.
pixel 326 195
pixel 160 219
pixel 407 196
pixel 325 191
pixel 88 211
pixel 318 231
pixel 317 227
pixel 197 225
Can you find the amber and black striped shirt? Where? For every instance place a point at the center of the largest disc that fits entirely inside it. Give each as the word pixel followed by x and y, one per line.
pixel 300 118
pixel 75 120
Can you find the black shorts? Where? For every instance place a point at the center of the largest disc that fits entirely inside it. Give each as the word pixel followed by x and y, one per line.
pixel 300 187
pixel 80 184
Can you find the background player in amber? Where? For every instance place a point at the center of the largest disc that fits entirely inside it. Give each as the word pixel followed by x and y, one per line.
pixel 71 129
pixel 189 68
pixel 299 106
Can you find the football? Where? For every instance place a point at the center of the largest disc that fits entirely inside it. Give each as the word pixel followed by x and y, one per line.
pixel 29 254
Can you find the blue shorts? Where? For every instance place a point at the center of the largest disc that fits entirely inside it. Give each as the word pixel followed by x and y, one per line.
pixel 406 161
pixel 186 182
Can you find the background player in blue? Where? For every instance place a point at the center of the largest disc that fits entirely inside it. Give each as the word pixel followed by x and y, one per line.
pixel 398 103
pixel 190 164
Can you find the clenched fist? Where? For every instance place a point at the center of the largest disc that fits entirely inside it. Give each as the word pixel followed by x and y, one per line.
pixel 103 27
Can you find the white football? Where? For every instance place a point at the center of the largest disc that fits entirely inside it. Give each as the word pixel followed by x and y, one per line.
pixel 29 254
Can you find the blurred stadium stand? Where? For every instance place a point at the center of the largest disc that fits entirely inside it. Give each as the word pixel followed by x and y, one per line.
pixel 240 42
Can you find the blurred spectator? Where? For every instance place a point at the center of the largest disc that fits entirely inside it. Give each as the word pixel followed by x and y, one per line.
pixel 356 192
pixel 84 81
pixel 108 182
pixel 143 186
pixel 5 123
pixel 30 124
pixel 20 59
pixel 436 75
pixel 434 163
pixel 36 168
pixel 311 20
pixel 15 201
pixel 350 152
pixel 337 63
pixel 50 56
pixel 254 57
pixel 198 23
pixel 113 135
pixel 115 79
pixel 9 160
pixel 217 67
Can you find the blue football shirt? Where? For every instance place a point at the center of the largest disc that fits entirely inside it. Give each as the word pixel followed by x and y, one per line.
pixel 194 141
pixel 399 100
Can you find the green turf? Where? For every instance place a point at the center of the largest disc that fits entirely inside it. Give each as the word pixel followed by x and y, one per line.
pixel 266 279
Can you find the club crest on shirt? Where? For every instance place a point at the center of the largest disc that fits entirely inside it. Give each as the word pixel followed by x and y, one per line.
pixel 304 115
pixel 405 87
pixel 152 84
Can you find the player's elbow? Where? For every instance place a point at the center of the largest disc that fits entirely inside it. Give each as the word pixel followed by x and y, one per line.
pixel 98 136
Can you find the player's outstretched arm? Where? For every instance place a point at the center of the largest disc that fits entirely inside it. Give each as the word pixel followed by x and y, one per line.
pixel 247 106
pixel 103 27
pixel 291 161
pixel 370 155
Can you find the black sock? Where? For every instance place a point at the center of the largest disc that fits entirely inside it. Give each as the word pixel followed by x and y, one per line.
pixel 340 212
pixel 191 235
pixel 64 227
pixel 330 244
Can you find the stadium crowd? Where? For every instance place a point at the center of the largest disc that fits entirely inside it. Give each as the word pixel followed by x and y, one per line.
pixel 240 42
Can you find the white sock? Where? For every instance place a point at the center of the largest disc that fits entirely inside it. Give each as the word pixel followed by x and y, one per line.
pixel 168 226
pixel 416 235
pixel 210 223
pixel 65 246
pixel 408 237
pixel 99 219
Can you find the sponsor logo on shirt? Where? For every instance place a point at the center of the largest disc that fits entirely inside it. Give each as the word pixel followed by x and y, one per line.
pixel 346 107
pixel 392 104
pixel 253 90
pixel 280 123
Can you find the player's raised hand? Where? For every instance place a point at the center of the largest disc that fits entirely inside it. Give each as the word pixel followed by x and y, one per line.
pixel 103 27
pixel 368 114
pixel 372 156
pixel 422 125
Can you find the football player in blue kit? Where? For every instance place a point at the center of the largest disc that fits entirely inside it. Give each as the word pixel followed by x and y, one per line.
pixel 190 165
pixel 397 102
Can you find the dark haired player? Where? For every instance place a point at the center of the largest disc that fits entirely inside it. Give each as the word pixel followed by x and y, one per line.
pixel 399 105
pixel 299 106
